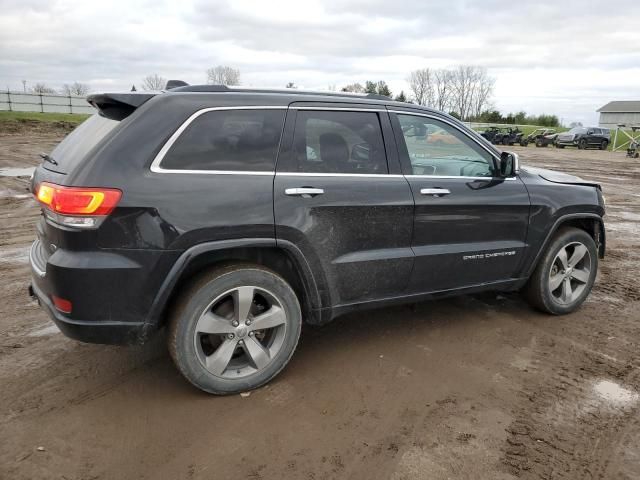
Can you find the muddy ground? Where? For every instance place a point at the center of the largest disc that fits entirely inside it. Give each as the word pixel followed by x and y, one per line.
pixel 467 388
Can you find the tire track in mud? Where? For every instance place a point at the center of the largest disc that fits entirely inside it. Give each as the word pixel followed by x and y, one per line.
pixel 563 428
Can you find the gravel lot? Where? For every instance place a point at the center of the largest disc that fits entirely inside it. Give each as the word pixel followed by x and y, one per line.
pixel 473 387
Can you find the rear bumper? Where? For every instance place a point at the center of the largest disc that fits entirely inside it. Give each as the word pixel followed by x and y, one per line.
pixel 110 291
pixel 110 333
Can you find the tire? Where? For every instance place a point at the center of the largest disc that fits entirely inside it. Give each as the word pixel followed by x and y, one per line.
pixel 582 144
pixel 547 288
pixel 215 339
pixel 604 145
pixel 539 143
pixel 559 146
pixel 505 141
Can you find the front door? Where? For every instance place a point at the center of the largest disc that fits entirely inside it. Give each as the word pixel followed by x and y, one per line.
pixel 337 201
pixel 470 225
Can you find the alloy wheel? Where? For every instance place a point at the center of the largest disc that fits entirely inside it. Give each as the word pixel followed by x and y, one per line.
pixel 240 332
pixel 570 273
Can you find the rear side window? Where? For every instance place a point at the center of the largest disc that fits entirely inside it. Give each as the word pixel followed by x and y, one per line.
pixel 228 140
pixel 339 142
pixel 75 147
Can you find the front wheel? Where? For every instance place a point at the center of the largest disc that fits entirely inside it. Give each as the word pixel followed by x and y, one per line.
pixel 565 274
pixel 604 145
pixel 582 144
pixel 233 329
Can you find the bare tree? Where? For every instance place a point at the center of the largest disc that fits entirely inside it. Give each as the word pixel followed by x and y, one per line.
pixel 421 86
pixel 463 79
pixel 353 88
pixel 223 75
pixel 443 89
pixel 482 91
pixel 153 82
pixel 42 88
pixel 76 88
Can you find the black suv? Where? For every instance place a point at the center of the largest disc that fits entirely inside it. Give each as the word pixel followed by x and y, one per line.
pixel 584 138
pixel 233 215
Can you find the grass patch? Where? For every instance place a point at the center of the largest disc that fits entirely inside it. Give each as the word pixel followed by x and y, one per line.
pixel 74 118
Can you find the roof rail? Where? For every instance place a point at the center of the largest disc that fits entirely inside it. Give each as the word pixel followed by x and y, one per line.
pixel 289 91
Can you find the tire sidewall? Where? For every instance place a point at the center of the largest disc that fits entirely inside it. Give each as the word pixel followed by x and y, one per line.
pixel 185 354
pixel 565 238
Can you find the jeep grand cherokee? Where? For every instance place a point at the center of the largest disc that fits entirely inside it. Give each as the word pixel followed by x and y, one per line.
pixel 231 216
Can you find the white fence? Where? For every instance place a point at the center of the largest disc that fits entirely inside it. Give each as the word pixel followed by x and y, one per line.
pixel 34 102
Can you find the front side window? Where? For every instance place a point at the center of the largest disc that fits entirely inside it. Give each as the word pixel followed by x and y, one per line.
pixel 339 142
pixel 436 148
pixel 228 140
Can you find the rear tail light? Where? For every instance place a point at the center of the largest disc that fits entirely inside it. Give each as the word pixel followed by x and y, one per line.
pixel 77 206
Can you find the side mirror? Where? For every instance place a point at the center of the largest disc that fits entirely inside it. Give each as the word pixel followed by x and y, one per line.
pixel 509 164
pixel 589 132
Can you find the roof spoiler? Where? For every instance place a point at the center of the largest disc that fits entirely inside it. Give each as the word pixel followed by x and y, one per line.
pixel 117 106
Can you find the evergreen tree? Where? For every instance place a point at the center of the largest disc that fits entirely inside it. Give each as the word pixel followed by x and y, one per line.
pixel 401 97
pixel 370 87
pixel 383 89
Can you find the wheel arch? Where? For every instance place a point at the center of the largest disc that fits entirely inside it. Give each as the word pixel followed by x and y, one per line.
pixel 283 260
pixel 591 223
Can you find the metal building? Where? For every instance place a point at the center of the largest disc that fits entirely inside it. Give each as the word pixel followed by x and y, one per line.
pixel 625 113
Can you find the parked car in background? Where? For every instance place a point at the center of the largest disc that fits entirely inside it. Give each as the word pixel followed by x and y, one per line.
pixel 583 138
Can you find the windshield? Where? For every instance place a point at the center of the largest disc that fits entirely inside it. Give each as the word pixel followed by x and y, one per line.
pixel 79 143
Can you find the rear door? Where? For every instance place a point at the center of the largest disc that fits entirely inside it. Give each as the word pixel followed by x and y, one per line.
pixel 470 225
pixel 340 198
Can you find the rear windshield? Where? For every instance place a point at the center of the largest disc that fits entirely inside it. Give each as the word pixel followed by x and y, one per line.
pixel 74 148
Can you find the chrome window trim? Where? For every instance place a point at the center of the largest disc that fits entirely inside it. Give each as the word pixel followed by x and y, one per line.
pixel 452 177
pixel 353 175
pixel 155 165
pixel 338 109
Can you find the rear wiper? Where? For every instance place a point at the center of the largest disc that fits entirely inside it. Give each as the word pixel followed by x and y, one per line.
pixel 47 158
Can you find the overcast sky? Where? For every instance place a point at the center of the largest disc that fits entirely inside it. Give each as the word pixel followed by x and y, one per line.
pixel 548 56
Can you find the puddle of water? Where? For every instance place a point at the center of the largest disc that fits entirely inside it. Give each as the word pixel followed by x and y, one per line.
pixel 614 393
pixel 6 193
pixel 46 331
pixel 15 255
pixel 16 172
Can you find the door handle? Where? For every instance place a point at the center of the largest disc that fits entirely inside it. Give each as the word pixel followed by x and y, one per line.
pixel 304 192
pixel 436 192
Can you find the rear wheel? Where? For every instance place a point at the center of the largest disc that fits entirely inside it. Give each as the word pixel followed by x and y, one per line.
pixel 234 329
pixel 565 274
pixel 604 145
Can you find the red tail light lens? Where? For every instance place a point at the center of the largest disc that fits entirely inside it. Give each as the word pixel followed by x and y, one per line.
pixel 62 304
pixel 78 200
